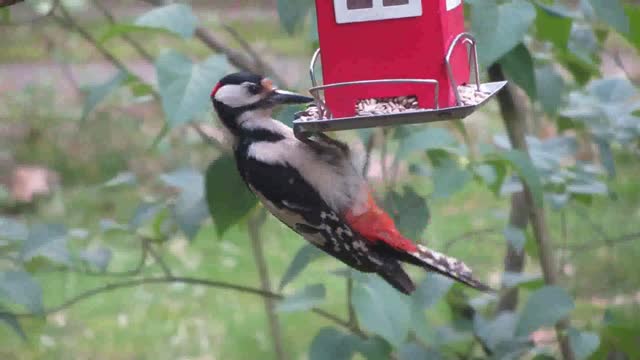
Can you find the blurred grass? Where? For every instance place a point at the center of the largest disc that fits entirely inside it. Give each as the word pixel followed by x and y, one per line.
pixel 192 322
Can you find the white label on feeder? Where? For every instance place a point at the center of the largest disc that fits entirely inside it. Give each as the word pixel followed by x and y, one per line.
pixel 452 4
pixel 350 11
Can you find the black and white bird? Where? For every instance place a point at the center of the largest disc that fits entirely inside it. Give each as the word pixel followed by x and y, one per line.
pixel 315 188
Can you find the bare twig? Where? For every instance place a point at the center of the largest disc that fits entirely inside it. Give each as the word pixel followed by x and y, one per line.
pixel 469 234
pixel 184 280
pixel 236 58
pixel 368 151
pixel 256 221
pixel 353 321
pixel 158 259
pixel 609 242
pixel 262 66
pixel 134 44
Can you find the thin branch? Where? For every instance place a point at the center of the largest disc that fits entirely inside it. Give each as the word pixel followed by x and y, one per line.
pixel 515 123
pixel 184 280
pixel 353 321
pixel 469 234
pixel 67 21
pixel 260 64
pixel 112 20
pixel 383 158
pixel 5 3
pixel 609 242
pixel 236 58
pixel 158 259
pixel 38 18
pixel 256 221
pixel 368 151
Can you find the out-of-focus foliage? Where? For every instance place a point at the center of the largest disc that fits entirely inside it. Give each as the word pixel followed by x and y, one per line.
pixel 549 49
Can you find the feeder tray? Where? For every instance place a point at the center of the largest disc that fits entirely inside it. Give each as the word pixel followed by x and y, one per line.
pixel 326 122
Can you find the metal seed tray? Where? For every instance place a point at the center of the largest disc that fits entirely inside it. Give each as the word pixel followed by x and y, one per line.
pixel 396 119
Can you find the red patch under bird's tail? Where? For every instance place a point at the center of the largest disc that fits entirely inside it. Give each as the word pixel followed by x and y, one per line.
pixel 375 224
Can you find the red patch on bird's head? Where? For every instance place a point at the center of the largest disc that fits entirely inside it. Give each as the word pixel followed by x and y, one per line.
pixel 215 89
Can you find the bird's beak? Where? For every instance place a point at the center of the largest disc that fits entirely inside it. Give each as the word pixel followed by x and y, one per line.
pixel 287 97
pixel 276 96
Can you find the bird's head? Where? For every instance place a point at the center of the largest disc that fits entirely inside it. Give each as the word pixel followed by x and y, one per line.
pixel 236 94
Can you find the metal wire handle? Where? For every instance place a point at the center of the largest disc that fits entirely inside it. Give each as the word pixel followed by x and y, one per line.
pixel 468 39
pixel 324 109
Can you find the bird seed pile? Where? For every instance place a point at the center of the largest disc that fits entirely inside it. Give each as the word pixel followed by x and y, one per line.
pixel 469 95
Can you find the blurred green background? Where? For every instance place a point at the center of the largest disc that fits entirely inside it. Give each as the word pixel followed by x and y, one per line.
pixel 81 147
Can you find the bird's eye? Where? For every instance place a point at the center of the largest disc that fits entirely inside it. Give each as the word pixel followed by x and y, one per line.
pixel 254 89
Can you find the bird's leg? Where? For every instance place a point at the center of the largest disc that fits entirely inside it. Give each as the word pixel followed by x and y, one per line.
pixel 321 142
pixel 333 142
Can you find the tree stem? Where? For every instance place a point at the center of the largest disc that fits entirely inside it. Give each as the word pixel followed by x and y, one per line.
pixel 514 121
pixel 256 221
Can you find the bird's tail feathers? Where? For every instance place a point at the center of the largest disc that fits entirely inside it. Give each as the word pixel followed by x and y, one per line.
pixel 448 266
pixel 397 277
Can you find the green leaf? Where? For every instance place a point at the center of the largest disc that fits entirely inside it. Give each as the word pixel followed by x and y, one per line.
pixel 97 93
pixel 550 87
pixel 12 321
pixel 20 288
pixel 413 351
pixel 292 13
pixel 518 66
pixel 493 173
pixel 499 28
pixel 516 237
pixel 144 213
pixel 449 178
pixel 409 210
pixel 185 86
pixel 227 196
pixel 47 241
pixel 544 307
pixel 374 348
pixel 429 138
pixel 13 230
pixel 190 208
pixel 633 13
pixel 305 255
pixel 527 172
pixel 522 280
pixel 306 299
pixel 431 290
pixel 175 18
pixel 332 344
pixel 382 310
pixel 606 156
pixel 496 331
pixel 553 24
pixel 98 257
pixel 583 343
pixel 612 13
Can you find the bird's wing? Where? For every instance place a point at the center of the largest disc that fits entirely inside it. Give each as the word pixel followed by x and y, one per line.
pixel 293 201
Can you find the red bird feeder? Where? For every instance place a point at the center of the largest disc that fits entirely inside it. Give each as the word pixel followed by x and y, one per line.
pixel 392 62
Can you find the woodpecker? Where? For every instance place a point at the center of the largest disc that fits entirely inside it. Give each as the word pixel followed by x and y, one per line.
pixel 314 187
